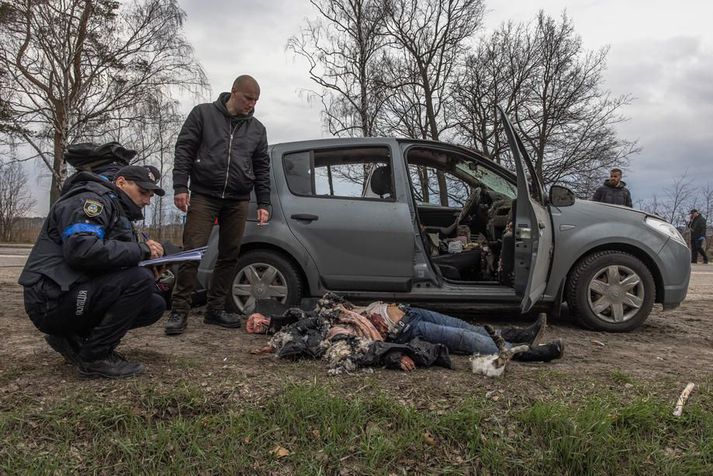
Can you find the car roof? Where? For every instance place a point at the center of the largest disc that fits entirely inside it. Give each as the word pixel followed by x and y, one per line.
pixel 342 141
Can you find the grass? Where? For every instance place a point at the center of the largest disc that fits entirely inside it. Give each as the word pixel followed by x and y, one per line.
pixel 312 429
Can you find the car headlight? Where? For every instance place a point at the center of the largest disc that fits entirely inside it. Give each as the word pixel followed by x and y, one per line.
pixel 666 229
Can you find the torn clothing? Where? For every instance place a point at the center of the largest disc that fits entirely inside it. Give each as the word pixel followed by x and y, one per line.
pixel 424 354
pixel 347 340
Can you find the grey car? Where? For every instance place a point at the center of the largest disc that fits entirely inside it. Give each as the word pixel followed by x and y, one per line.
pixel 440 226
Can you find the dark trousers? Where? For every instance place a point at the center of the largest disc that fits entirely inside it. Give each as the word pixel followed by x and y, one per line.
pixel 696 248
pixel 96 314
pixel 231 215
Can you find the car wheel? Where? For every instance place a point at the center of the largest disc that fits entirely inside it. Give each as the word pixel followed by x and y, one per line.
pixel 263 275
pixel 611 291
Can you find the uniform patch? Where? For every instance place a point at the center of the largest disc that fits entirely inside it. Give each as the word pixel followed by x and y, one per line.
pixel 93 208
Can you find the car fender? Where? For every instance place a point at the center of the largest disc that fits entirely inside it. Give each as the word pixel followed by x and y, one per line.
pixel 578 235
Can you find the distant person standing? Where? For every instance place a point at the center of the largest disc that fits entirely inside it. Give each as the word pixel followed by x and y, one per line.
pixel 613 191
pixel 697 224
pixel 221 155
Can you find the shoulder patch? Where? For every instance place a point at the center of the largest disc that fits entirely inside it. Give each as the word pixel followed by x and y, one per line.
pixel 92 208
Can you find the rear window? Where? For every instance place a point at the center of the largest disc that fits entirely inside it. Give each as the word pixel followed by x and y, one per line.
pixel 352 172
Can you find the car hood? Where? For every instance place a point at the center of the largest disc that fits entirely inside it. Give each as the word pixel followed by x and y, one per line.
pixel 605 210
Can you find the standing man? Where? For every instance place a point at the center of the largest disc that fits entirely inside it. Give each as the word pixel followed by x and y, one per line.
pixel 83 287
pixel 221 155
pixel 697 224
pixel 613 191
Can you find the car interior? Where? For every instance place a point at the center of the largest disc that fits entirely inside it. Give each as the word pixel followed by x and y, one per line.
pixel 465 215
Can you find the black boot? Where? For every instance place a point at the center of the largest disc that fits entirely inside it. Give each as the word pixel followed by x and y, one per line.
pixel 111 366
pixel 64 346
pixel 222 318
pixel 176 323
pixel 542 353
pixel 526 335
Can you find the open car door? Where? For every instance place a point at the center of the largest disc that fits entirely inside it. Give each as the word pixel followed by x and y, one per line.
pixel 532 225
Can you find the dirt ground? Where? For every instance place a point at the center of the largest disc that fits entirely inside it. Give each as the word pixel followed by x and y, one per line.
pixel 673 347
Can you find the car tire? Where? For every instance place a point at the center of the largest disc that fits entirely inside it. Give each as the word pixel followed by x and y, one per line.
pixel 263 275
pixel 611 291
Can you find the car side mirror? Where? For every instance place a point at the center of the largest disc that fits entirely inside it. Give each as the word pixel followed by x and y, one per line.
pixel 561 196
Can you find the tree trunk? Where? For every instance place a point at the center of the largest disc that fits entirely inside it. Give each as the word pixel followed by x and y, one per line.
pixel 59 168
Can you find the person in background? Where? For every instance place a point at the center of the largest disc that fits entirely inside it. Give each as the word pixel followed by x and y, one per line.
pixel 613 191
pixel 697 224
pixel 82 283
pixel 221 156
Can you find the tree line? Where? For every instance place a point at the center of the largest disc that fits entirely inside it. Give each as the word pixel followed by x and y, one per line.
pixel 92 71
pixel 102 70
pixel 424 69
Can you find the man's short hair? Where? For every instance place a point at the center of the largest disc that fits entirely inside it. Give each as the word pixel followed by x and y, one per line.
pixel 693 211
pixel 240 80
pixel 615 170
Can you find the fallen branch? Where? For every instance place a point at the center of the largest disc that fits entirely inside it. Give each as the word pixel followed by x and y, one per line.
pixel 678 411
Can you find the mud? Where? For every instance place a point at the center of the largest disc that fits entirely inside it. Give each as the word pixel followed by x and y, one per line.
pixel 670 349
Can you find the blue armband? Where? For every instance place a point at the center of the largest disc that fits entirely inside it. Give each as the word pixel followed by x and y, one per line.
pixel 83 228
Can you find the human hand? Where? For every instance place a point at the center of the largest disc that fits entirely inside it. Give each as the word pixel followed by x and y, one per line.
pixel 182 201
pixel 155 248
pixel 257 324
pixel 262 216
pixel 407 364
pixel 157 271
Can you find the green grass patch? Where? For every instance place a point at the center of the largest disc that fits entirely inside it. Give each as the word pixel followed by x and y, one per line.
pixel 312 429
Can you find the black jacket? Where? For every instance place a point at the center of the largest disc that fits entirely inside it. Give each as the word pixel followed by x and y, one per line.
pixel 618 195
pixel 223 156
pixel 88 231
pixel 698 228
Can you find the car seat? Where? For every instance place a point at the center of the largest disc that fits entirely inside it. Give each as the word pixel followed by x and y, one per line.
pixel 381 182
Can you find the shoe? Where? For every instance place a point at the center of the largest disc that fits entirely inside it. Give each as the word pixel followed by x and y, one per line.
pixel 176 323
pixel 530 335
pixel 63 346
pixel 542 353
pixel 222 318
pixel 110 367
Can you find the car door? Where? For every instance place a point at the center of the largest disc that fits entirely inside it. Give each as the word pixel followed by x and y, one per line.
pixel 532 225
pixel 358 232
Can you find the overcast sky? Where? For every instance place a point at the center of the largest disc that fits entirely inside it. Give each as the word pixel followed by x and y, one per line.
pixel 661 52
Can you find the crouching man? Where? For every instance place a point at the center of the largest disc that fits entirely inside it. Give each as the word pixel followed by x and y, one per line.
pixel 83 285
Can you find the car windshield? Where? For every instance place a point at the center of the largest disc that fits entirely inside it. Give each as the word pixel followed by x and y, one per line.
pixel 487 177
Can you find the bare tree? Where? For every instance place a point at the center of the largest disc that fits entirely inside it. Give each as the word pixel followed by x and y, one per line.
pixel 153 134
pixel 427 38
pixel 706 206
pixel 77 67
pixel 343 48
pixel 565 116
pixel 492 76
pixel 552 88
pixel 15 198
pixel 678 199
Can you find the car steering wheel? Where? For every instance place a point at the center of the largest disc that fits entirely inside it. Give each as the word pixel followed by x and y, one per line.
pixel 470 203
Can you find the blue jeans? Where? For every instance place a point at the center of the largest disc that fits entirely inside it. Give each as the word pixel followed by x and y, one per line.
pixel 459 336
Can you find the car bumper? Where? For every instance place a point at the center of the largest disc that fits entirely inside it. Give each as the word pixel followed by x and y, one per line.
pixel 675 260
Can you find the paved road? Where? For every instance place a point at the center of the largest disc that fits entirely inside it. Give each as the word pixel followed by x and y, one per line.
pixel 13 256
pixel 701 277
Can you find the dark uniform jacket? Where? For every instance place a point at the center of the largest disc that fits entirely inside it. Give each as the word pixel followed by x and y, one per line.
pixel 224 156
pixel 88 232
pixel 698 228
pixel 618 195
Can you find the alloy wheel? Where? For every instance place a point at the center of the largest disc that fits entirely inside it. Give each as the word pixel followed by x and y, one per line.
pixel 616 293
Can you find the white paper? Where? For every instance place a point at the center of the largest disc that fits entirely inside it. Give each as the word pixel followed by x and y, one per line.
pixel 188 255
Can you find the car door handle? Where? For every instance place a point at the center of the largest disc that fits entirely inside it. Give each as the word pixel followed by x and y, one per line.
pixel 304 217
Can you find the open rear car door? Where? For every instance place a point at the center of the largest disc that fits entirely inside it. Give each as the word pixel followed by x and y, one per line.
pixel 532 225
